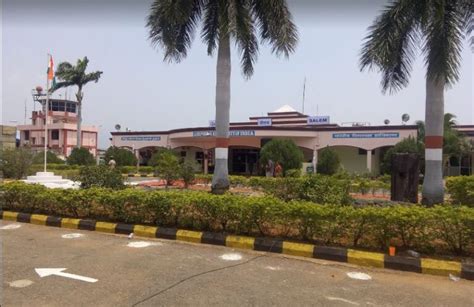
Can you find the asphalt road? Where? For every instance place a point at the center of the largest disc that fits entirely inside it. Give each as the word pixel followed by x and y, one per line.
pixel 170 273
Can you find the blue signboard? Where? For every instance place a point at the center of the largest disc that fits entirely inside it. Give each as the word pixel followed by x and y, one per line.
pixel 264 122
pixel 386 135
pixel 318 120
pixel 231 133
pixel 141 138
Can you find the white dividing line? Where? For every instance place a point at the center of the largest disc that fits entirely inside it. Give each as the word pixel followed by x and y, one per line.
pixel 22 283
pixel 72 235
pixel 359 276
pixel 231 257
pixel 43 272
pixel 332 298
pixel 10 227
pixel 142 244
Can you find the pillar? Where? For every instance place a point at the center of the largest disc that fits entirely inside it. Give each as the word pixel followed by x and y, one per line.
pixel 369 161
pixel 315 160
pixel 206 162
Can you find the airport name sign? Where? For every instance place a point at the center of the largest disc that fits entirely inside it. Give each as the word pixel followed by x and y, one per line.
pixel 318 120
pixel 141 138
pixel 387 135
pixel 232 133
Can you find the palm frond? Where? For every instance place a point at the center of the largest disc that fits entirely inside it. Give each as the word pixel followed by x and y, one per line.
pixel 443 41
pixel 91 77
pixel 243 30
pixel 274 21
pixel 210 30
pixel 59 85
pixel 390 45
pixel 171 26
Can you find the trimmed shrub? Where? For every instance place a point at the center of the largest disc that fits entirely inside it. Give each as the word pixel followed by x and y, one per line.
pixel 51 158
pixel 100 176
pixel 429 230
pixel 121 156
pixel 328 162
pixel 167 167
pixel 284 152
pixel 461 190
pixel 81 156
pixel 15 162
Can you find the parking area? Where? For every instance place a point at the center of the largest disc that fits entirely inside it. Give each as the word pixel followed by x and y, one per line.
pixel 112 270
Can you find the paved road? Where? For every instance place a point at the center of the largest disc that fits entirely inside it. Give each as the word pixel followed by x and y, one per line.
pixel 170 273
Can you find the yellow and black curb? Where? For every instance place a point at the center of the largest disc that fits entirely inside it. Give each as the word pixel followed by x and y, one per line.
pixel 363 258
pixel 139 175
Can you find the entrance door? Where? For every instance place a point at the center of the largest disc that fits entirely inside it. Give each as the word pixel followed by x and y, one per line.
pixel 244 161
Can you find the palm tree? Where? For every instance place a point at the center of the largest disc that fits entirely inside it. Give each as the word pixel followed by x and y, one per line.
pixel 70 75
pixel 440 26
pixel 172 25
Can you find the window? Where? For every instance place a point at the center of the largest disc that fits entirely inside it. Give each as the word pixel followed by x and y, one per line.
pixel 55 134
pixel 34 122
pixel 56 105
pixel 183 154
pixel 33 141
pixel 71 107
pixel 26 135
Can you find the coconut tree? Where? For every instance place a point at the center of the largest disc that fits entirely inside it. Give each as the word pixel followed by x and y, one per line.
pixel 69 75
pixel 439 28
pixel 172 25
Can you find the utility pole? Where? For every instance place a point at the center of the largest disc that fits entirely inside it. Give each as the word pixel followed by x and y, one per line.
pixel 304 93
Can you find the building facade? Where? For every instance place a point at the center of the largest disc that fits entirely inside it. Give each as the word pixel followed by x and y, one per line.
pixel 7 137
pixel 62 129
pixel 359 147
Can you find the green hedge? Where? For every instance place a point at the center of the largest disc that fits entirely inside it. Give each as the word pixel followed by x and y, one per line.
pixel 427 230
pixel 461 190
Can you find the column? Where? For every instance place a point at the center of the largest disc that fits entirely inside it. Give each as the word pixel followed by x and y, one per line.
pixel 369 161
pixel 315 160
pixel 206 162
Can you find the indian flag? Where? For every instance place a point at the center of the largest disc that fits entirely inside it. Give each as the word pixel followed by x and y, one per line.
pixel 51 71
pixel 51 68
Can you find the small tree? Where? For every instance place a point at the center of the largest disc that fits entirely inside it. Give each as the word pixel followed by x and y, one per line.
pixel 328 162
pixel 187 172
pixel 155 157
pixel 15 162
pixel 121 156
pixel 167 167
pixel 284 152
pixel 100 176
pixel 408 145
pixel 51 157
pixel 80 156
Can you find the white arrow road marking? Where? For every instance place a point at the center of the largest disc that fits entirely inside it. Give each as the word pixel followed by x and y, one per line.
pixel 43 272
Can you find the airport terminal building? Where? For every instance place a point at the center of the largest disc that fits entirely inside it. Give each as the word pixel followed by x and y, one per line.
pixel 360 147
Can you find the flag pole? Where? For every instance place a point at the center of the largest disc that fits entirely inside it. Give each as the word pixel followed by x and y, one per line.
pixel 46 116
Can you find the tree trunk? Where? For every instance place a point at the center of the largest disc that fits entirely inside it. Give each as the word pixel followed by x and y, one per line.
pixel 220 179
pixel 79 96
pixel 433 190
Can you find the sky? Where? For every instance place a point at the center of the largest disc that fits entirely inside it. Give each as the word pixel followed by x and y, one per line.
pixel 141 92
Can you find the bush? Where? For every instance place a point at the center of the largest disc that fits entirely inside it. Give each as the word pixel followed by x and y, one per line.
pixel 408 145
pixel 187 171
pixel 283 152
pixel 51 158
pixel 81 156
pixel 440 229
pixel 15 162
pixel 155 158
pixel 461 190
pixel 315 188
pixel 100 176
pixel 121 156
pixel 328 162
pixel 167 167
